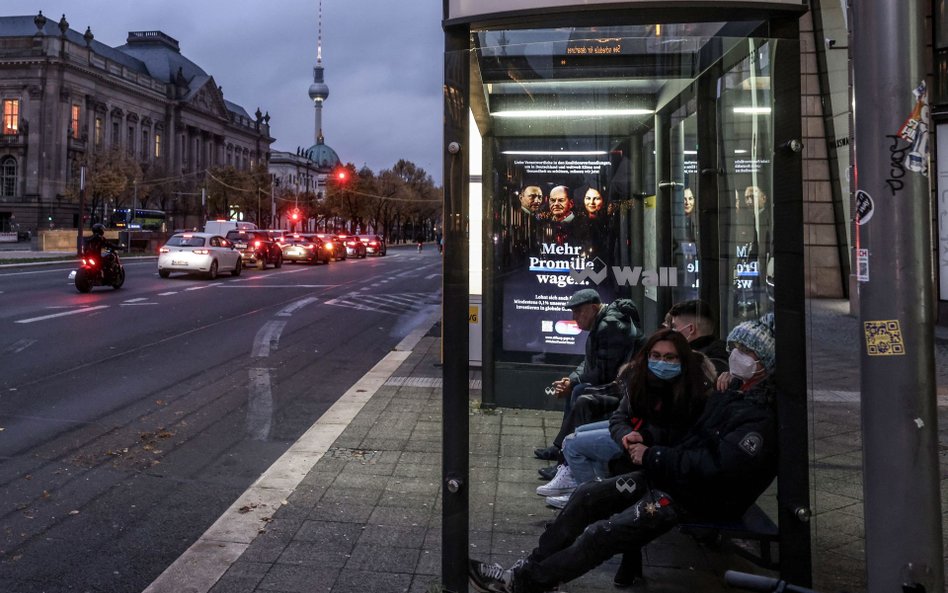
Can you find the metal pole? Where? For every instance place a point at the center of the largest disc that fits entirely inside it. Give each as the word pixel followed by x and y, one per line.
pixel 82 208
pixel 894 272
pixel 455 421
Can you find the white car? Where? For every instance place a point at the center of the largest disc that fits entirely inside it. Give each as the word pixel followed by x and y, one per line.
pixel 205 253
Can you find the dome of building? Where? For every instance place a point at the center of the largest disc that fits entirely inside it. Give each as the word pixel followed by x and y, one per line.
pixel 324 156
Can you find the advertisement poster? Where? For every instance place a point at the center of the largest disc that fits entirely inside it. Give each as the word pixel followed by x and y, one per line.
pixel 562 217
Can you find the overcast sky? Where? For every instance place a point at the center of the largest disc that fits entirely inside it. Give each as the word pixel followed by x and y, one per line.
pixel 382 60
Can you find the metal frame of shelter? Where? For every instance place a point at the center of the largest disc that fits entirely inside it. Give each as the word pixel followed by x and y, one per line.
pixel 471 104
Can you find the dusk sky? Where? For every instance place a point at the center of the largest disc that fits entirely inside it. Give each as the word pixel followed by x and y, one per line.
pixel 382 60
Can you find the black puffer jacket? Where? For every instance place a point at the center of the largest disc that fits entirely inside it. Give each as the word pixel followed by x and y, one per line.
pixel 613 340
pixel 726 460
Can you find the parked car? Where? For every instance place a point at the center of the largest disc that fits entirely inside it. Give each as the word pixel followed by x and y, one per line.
pixel 338 247
pixel 205 253
pixel 354 247
pixel 257 248
pixel 374 244
pixel 306 248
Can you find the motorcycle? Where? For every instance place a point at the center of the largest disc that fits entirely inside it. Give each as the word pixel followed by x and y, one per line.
pixel 92 272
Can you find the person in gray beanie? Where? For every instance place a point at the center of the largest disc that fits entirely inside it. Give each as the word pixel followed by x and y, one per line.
pixel 715 473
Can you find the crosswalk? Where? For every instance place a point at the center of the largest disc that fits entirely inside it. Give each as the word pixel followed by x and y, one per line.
pixel 388 303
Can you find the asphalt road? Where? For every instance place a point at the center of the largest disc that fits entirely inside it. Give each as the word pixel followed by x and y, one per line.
pixel 131 419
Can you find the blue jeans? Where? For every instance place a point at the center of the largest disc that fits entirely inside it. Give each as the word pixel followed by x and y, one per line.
pixel 588 451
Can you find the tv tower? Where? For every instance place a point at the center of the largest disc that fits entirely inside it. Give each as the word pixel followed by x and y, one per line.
pixel 319 90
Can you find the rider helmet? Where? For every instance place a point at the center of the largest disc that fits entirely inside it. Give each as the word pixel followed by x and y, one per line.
pixel 98 229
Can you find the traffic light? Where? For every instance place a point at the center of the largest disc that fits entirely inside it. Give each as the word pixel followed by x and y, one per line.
pixel 341 175
pixel 295 216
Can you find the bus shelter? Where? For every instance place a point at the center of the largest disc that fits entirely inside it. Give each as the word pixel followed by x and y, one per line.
pixel 647 149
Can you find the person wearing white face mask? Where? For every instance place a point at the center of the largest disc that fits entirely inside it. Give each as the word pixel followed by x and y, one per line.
pixel 752 354
pixel 715 473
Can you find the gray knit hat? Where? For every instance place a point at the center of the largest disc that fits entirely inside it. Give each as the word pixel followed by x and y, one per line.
pixel 757 335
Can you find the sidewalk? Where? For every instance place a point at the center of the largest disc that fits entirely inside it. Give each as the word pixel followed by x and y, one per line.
pixel 363 512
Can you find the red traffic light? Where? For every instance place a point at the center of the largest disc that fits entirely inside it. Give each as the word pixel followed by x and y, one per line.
pixel 295 215
pixel 342 175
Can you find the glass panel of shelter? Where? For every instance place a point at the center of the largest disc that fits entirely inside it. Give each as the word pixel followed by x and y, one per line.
pixel 591 177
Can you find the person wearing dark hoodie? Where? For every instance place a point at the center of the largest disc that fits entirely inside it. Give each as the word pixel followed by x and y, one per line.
pixel 614 337
pixel 715 473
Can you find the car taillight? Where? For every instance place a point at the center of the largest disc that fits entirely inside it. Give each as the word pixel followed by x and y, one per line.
pixel 374 243
pixel 309 246
pixel 328 246
pixel 164 250
pixel 256 244
pixel 202 251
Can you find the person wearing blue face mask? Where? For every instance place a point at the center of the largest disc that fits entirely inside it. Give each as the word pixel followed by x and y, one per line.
pixel 657 407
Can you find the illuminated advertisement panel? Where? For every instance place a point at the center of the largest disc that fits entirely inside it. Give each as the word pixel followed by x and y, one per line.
pixel 561 211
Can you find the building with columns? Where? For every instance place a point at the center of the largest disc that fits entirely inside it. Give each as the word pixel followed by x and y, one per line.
pixel 65 96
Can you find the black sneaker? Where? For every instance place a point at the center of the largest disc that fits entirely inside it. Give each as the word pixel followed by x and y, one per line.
pixel 548 472
pixel 487 578
pixel 551 453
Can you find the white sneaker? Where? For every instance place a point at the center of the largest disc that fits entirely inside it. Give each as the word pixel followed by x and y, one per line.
pixel 558 502
pixel 562 483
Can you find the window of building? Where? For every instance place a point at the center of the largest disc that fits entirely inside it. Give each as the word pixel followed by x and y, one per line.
pixel 116 138
pixel 145 144
pixel 157 145
pixel 8 177
pixel 74 122
pixel 11 116
pixel 99 132
pixel 131 140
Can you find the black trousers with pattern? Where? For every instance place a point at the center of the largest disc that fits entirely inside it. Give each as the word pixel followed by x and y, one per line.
pixel 601 519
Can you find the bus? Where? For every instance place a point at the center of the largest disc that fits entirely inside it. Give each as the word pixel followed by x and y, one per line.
pixel 139 218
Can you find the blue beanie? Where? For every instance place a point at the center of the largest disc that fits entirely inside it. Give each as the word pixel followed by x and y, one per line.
pixel 757 335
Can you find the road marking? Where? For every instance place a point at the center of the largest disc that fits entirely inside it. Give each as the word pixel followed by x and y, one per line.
pixel 294 307
pixel 135 304
pixel 63 314
pixel 267 337
pixel 283 286
pixel 138 300
pixel 196 288
pixel 168 293
pixel 19 346
pixel 430 276
pixel 259 404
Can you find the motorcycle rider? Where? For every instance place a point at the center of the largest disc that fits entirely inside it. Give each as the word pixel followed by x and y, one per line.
pixel 93 246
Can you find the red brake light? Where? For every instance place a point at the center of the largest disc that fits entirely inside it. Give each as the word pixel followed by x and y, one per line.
pixel 256 243
pixel 202 251
pixel 164 250
pixel 374 243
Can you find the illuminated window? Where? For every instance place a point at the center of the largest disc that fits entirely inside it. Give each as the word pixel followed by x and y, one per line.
pixel 11 116
pixel 157 145
pixel 99 133
pixel 74 122
pixel 8 177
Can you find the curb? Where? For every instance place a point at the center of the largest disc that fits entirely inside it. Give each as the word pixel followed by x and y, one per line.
pixel 206 561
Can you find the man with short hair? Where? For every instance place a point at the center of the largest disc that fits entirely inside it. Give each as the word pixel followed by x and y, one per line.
pixel 531 200
pixel 561 204
pixel 695 321
pixel 614 336
pixel 715 473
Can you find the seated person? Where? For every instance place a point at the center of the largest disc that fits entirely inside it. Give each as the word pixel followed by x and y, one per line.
pixel 715 473
pixel 659 406
pixel 613 339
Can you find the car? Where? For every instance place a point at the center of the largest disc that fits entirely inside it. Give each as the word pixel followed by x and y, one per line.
pixel 306 248
pixel 258 247
pixel 374 244
pixel 204 253
pixel 354 246
pixel 338 247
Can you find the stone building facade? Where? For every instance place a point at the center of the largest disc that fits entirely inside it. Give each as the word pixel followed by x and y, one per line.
pixel 65 96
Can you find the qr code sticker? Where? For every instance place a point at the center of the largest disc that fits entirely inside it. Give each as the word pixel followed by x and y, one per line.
pixel 884 338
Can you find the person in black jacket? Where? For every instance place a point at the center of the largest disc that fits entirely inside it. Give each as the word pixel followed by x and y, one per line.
pixel 716 472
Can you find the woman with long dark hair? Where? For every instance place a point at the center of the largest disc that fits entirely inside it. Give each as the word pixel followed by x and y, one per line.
pixel 665 388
